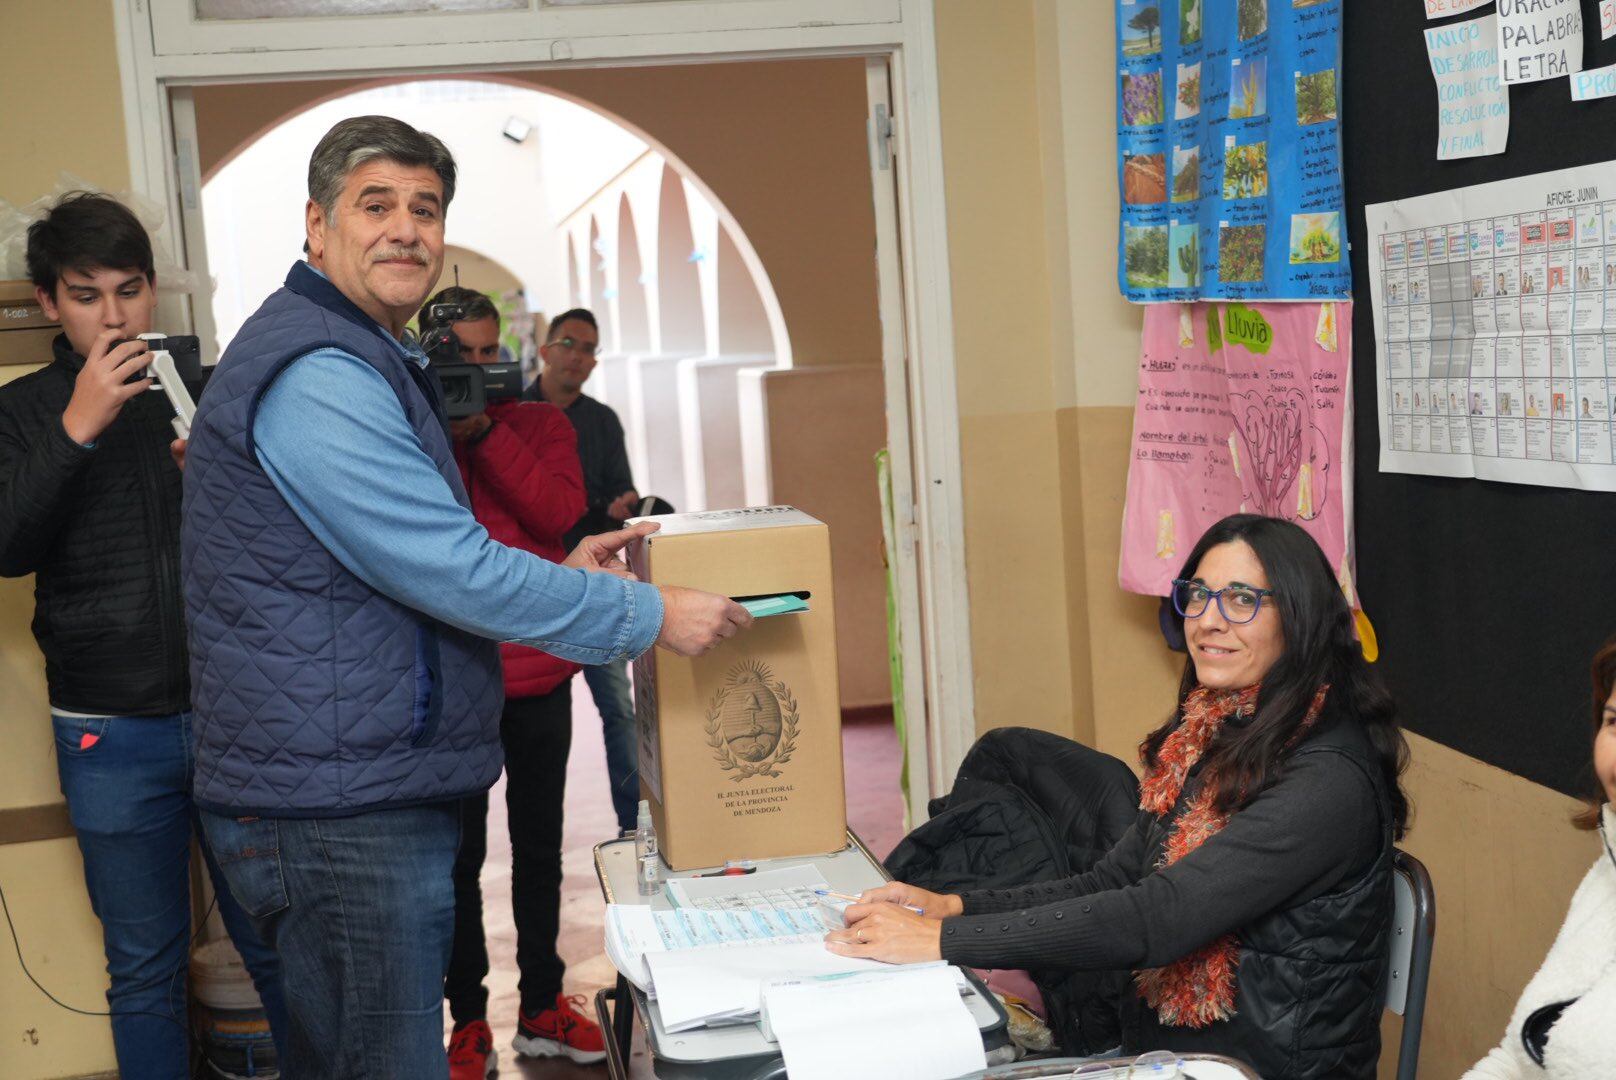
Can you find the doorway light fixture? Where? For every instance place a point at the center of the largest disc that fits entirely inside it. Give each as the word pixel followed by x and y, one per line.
pixel 516 129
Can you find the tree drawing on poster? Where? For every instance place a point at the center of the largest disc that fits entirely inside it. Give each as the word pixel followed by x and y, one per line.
pixel 1241 408
pixel 1229 138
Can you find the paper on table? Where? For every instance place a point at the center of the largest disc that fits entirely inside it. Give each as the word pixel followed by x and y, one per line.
pixel 903 1024
pixel 631 933
pixel 768 905
pixel 1472 100
pixel 694 986
pixel 689 891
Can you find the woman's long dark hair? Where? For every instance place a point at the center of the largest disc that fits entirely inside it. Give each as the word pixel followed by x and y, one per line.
pixel 1320 648
pixel 1604 679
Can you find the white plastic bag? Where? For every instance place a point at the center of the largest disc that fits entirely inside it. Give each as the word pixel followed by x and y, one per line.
pixel 15 220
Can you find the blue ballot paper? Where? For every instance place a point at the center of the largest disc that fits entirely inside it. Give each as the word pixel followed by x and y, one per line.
pixel 784 604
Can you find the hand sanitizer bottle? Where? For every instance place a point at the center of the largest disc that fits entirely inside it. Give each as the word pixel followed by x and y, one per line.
pixel 647 861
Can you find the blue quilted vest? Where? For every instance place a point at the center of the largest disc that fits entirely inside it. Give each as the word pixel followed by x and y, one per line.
pixel 315 695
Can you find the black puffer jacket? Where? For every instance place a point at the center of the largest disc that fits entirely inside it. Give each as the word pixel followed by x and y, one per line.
pixel 99 529
pixel 1028 806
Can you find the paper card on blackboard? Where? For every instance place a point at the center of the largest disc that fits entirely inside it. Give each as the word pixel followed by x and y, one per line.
pixel 1441 9
pixel 1594 83
pixel 1471 98
pixel 1539 39
pixel 1607 19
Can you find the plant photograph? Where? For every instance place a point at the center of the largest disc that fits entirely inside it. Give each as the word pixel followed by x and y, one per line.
pixel 1184 262
pixel 1144 179
pixel 1316 238
pixel 1245 171
pixel 1248 89
pixel 1240 252
pixel 1189 21
pixel 1315 97
pixel 1141 98
pixel 1142 32
pixel 1186 173
pixel 1251 18
pixel 1145 255
pixel 1187 102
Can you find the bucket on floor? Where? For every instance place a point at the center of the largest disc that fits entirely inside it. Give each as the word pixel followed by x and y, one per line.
pixel 231 1030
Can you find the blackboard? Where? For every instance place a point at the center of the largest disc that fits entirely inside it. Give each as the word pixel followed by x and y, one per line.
pixel 1489 599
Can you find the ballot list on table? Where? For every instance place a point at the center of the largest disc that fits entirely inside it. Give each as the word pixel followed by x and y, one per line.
pixel 705 959
pixel 775 907
pixel 771 905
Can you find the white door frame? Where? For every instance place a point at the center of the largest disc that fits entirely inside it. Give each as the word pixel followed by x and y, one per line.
pixel 922 397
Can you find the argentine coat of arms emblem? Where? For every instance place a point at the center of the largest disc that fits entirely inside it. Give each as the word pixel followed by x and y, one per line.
pixel 752 722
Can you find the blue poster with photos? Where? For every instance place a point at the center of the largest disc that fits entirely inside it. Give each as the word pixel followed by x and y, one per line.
pixel 1229 139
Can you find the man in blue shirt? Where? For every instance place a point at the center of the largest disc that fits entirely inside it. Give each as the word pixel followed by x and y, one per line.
pixel 343 605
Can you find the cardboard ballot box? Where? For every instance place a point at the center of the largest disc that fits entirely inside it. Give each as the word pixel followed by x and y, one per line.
pixel 741 749
pixel 25 330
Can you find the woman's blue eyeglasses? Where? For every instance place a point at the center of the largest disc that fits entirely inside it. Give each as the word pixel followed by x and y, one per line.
pixel 1239 603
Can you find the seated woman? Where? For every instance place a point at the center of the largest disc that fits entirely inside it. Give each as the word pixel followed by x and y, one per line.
pixel 1252 897
pixel 1562 1025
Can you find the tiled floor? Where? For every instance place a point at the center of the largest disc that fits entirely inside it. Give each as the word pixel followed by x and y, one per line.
pixel 875 812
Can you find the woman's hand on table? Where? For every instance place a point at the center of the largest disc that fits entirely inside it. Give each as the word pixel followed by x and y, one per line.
pixel 932 905
pixel 889 933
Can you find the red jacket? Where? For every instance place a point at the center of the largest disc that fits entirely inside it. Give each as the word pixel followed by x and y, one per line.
pixel 527 490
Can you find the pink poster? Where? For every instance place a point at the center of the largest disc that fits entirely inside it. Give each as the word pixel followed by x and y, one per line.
pixel 1241 408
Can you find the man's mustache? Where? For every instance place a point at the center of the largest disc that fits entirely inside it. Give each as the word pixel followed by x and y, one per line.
pixel 416 253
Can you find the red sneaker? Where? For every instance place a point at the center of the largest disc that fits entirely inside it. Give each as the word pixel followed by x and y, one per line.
pixel 471 1052
pixel 560 1032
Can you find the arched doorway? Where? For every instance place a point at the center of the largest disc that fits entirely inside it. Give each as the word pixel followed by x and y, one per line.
pixel 535 205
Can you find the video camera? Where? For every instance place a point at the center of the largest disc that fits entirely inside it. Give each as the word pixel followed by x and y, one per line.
pixel 467 388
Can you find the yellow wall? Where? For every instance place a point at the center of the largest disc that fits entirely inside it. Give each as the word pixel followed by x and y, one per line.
pixel 52 121
pixel 1047 355
pixel 80 132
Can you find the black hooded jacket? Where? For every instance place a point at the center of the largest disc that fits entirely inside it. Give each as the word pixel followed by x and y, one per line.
pixel 98 527
pixel 1030 807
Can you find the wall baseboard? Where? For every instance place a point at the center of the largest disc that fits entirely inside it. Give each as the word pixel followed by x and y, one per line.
pixel 27 824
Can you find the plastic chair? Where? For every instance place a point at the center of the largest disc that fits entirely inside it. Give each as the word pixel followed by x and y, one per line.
pixel 1409 970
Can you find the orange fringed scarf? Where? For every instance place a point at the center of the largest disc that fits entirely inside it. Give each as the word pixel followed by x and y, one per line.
pixel 1197 989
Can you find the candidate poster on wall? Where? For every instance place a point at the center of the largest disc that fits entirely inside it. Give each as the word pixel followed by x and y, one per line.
pixel 1229 138
pixel 1242 408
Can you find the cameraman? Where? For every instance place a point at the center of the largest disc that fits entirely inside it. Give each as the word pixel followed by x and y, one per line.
pixel 90 504
pixel 519 461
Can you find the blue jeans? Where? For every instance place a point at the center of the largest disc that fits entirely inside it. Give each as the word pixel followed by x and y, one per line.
pixel 609 686
pixel 360 911
pixel 129 795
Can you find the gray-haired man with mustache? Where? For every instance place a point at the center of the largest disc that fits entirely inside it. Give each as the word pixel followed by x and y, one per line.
pixel 343 606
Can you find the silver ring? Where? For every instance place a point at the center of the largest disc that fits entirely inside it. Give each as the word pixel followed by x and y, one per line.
pixel 861 937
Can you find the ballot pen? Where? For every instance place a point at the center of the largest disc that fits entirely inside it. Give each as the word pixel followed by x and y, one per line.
pixel 859 900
